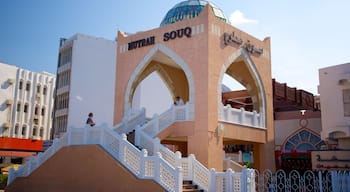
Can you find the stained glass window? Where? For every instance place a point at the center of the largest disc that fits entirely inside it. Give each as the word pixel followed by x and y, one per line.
pixel 304 140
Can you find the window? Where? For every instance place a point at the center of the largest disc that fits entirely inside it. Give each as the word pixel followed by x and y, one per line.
pixel 18 107
pixel 36 121
pixel 38 88
pixel 20 86
pixel 346 102
pixel 28 86
pixel 41 132
pixel 16 129
pixel 35 130
pixel 62 101
pixel 26 108
pixel 44 90
pixel 63 79
pixel 65 57
pixel 43 111
pixel 36 110
pixel 61 123
pixel 24 130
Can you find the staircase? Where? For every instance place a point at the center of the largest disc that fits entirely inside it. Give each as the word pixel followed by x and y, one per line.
pixel 154 161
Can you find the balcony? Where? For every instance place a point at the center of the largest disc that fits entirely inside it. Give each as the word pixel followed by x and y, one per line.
pixel 9 101
pixel 6 125
pixel 10 81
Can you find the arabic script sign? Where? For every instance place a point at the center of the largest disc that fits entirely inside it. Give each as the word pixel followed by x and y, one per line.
pixel 232 39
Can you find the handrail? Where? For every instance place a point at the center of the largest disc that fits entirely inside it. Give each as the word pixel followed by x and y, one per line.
pixel 132 119
pixel 229 164
pixel 240 116
pixel 136 161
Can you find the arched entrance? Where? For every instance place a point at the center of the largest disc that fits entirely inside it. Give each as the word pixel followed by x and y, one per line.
pixel 240 67
pixel 251 100
pixel 172 70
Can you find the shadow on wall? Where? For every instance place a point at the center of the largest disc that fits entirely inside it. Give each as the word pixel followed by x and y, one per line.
pixel 3 106
pixel 5 85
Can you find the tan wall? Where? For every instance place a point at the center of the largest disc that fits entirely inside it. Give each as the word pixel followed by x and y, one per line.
pixel 82 168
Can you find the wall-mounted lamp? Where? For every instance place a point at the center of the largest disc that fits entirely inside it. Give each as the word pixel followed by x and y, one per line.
pixel 220 130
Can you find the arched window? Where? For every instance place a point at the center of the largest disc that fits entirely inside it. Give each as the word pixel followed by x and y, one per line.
pixel 24 130
pixel 26 106
pixel 43 111
pixel 38 88
pixel 28 86
pixel 16 129
pixel 35 130
pixel 20 85
pixel 18 106
pixel 36 110
pixel 41 134
pixel 303 140
pixel 44 90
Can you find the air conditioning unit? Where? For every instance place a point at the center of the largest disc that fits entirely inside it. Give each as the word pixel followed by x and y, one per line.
pixel 11 81
pixel 7 125
pixel 9 102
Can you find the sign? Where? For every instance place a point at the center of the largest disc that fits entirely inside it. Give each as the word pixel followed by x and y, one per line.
pixel 187 31
pixel 179 33
pixel 141 43
pixel 234 40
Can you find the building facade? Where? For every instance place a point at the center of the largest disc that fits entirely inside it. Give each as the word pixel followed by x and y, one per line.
pixel 26 104
pixel 192 50
pixel 334 89
pixel 85 82
pixel 27 101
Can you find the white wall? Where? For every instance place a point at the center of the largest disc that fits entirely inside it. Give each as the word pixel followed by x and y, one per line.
pixel 92 81
pixel 155 96
pixel 31 98
pixel 331 97
pixel 6 92
pixel 287 128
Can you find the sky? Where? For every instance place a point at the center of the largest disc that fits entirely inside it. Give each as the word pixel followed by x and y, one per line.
pixel 305 35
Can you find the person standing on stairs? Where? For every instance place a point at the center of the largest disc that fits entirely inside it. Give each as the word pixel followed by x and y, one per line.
pixel 89 120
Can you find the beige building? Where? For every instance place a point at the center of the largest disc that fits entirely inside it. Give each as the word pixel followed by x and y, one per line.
pixel 334 90
pixel 191 53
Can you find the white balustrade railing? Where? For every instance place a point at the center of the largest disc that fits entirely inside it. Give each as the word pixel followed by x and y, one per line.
pixel 193 170
pixel 240 116
pixel 130 121
pixel 138 162
pixel 162 165
pixel 229 164
pixel 232 181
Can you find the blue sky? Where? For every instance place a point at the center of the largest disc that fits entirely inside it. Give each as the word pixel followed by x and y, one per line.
pixel 305 35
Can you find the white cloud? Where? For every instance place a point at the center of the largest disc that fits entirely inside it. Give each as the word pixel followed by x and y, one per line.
pixel 79 98
pixel 237 18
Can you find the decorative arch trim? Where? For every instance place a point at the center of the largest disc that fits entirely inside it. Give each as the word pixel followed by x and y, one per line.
pixel 256 77
pixel 143 64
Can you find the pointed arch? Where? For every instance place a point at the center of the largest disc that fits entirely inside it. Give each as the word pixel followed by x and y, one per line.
pixel 242 53
pixel 135 76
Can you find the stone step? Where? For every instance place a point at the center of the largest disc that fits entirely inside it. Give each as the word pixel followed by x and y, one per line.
pixel 188 186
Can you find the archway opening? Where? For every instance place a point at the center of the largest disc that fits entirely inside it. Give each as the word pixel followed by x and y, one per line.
pixel 157 84
pixel 153 95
